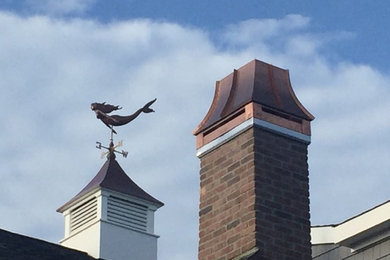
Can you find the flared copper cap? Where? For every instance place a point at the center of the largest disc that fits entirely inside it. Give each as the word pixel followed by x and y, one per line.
pixel 266 87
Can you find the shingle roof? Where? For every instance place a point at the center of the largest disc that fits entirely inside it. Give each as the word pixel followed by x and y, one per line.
pixel 111 176
pixel 19 247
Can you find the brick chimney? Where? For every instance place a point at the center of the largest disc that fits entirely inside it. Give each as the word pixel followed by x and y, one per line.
pixel 254 186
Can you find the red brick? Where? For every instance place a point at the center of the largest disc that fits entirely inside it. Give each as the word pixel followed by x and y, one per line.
pixel 254 190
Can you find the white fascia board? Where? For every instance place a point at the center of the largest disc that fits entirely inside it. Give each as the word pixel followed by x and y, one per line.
pixel 244 126
pixel 322 235
pixel 337 233
pixel 363 222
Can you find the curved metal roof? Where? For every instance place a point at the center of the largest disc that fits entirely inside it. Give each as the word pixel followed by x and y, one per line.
pixel 112 177
pixel 257 82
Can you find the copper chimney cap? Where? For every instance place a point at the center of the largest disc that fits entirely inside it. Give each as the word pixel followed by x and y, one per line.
pixel 256 82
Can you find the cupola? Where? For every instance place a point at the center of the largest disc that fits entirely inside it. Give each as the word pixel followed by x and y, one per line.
pixel 112 217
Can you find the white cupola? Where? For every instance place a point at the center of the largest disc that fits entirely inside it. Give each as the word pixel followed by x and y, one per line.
pixel 112 217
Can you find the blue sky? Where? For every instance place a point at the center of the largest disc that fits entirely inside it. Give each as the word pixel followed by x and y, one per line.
pixel 57 57
pixel 365 21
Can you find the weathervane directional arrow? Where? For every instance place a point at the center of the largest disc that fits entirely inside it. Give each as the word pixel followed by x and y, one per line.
pixel 111 149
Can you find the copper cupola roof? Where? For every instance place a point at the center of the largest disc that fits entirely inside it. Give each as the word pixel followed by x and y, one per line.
pixel 256 82
pixel 112 177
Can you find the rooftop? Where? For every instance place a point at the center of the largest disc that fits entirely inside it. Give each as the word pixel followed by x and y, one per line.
pixel 17 247
pixel 355 231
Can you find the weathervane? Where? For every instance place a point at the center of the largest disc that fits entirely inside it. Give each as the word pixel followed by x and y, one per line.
pixel 102 110
pixel 111 149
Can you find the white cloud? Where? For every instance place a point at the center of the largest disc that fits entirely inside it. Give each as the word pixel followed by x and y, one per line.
pixel 249 31
pixel 51 71
pixel 60 7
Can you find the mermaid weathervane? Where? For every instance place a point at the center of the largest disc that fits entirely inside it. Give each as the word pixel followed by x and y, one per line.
pixel 102 110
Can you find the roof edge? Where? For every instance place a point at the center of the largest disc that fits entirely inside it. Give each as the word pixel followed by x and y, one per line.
pixel 295 98
pixel 351 227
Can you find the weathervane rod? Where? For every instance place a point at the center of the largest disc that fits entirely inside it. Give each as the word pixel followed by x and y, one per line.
pixel 112 134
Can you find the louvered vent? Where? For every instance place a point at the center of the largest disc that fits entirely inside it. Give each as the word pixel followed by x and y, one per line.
pixel 127 213
pixel 83 214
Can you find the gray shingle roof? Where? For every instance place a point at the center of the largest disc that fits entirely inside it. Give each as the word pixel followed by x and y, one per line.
pixel 19 247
